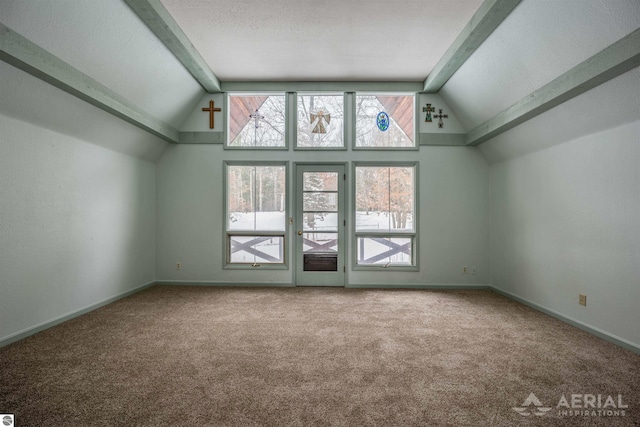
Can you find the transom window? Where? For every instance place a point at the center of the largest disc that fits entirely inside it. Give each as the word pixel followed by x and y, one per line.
pixel 384 121
pixel 385 215
pixel 320 121
pixel 257 121
pixel 256 214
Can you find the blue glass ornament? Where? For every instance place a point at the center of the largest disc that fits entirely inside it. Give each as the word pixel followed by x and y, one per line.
pixel 382 121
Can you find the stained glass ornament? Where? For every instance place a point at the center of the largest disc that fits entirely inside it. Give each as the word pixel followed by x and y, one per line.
pixel 382 121
pixel 318 121
pixel 256 117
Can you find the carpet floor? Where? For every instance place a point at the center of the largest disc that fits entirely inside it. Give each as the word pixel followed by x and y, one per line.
pixel 198 356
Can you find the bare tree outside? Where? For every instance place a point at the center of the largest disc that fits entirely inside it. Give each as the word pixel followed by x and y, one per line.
pixel 267 126
pixel 400 131
pixel 320 121
pixel 384 198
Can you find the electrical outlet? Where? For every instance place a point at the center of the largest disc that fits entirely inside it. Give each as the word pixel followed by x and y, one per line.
pixel 582 299
pixel 474 270
pixel 465 270
pixel 178 266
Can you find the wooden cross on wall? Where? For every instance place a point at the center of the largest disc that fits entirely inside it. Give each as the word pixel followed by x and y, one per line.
pixel 428 109
pixel 211 110
pixel 440 116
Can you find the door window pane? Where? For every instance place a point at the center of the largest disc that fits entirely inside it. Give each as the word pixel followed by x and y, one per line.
pixel 320 242
pixel 320 181
pixel 396 132
pixel 320 202
pixel 323 221
pixel 320 121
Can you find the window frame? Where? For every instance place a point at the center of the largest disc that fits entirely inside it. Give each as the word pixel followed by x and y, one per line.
pixel 414 235
pixel 346 107
pixel 226 252
pixel 287 120
pixel 416 128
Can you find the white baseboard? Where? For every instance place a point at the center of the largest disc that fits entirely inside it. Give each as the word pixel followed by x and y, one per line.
pixel 473 286
pixel 573 322
pixel 57 320
pixel 578 324
pixel 352 285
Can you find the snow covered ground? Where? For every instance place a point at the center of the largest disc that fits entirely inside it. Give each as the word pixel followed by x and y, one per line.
pixel 275 221
pixel 368 250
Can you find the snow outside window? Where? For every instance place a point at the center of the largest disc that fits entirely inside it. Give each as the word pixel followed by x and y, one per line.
pixel 256 214
pixel 385 215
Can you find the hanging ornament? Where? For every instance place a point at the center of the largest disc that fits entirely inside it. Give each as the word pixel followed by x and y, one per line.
pixel 318 120
pixel 382 121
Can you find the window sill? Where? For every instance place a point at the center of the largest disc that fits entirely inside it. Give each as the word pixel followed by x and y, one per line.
pixel 380 268
pixel 258 267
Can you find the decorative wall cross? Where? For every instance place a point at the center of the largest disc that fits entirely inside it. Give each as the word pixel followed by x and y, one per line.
pixel 257 117
pixel 318 120
pixel 428 109
pixel 211 110
pixel 440 116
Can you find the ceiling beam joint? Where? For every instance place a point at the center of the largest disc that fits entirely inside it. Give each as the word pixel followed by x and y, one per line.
pixel 612 61
pixel 487 18
pixel 31 58
pixel 162 24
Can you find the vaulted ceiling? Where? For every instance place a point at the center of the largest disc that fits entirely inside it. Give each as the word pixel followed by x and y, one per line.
pixel 496 63
pixel 328 40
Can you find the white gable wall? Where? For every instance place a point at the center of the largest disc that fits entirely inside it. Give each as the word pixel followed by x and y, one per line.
pixel 453 205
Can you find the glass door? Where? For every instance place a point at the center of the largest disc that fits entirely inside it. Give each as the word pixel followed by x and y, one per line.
pixel 320 225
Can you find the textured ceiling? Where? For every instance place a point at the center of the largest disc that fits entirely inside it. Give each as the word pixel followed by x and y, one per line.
pixel 322 40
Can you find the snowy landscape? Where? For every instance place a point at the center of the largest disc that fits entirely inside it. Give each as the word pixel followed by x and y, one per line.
pixel 370 249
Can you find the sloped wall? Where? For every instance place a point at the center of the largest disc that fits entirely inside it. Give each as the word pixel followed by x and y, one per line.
pixel 77 225
pixel 566 221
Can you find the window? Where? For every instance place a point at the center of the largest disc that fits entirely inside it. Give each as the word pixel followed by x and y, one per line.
pixel 385 215
pixel 385 121
pixel 256 214
pixel 256 121
pixel 320 121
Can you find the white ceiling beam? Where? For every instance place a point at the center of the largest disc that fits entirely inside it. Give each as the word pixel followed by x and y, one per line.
pixel 487 18
pixel 620 57
pixel 31 58
pixel 158 19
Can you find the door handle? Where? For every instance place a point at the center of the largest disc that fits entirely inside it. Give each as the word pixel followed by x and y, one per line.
pixel 299 233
